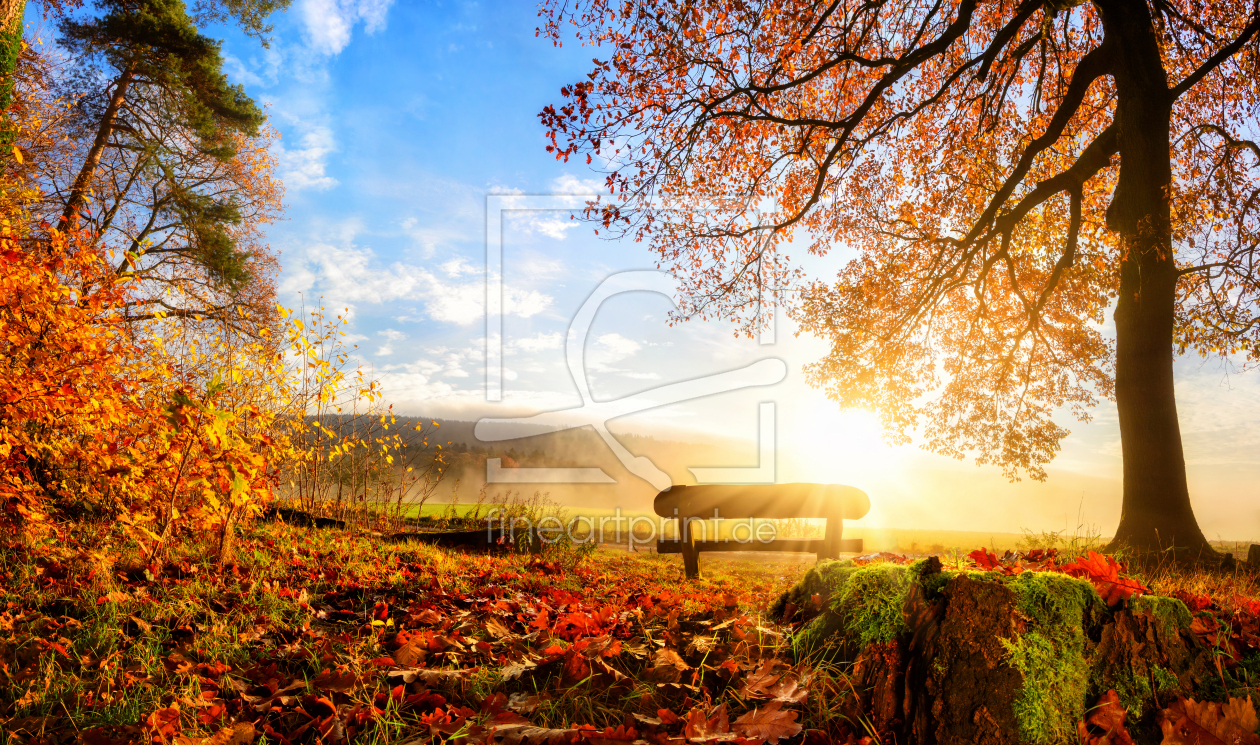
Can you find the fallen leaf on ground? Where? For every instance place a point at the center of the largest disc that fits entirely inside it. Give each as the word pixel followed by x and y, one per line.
pixel 771 723
pixel 774 680
pixel 329 680
pixel 1104 724
pixel 240 734
pixel 667 667
pixel 428 677
pixel 412 653
pixel 1187 722
pixel 514 734
pixel 712 726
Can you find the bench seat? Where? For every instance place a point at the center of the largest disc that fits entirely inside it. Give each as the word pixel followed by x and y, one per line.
pixel 691 504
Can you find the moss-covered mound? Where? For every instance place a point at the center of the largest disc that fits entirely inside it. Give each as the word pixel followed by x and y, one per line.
pixel 978 657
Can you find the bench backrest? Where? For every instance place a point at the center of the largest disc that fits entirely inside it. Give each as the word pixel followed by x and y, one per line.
pixel 777 501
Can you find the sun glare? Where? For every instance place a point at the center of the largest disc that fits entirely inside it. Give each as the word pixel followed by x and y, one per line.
pixel 829 446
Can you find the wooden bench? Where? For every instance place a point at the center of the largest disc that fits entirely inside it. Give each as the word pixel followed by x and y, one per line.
pixel 694 504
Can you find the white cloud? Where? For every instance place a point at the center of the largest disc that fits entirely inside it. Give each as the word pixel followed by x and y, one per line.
pixel 261 73
pixel 344 275
pixel 392 334
pixel 569 184
pixel 385 350
pixel 608 349
pixel 329 23
pixel 303 166
pixel 458 266
pixel 536 343
pixel 524 303
pixel 550 223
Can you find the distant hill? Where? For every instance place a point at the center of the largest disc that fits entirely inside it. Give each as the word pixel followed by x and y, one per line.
pixel 547 447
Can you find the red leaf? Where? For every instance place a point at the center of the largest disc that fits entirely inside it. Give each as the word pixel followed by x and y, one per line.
pixel 984 558
pixel 1104 724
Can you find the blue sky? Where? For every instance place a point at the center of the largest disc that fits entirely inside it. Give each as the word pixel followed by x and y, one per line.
pixel 398 120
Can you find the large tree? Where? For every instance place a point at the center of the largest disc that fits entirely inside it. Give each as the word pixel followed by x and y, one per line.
pixel 169 162
pixel 1005 173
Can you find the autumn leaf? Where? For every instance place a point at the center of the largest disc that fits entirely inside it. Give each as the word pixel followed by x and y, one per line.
pixel 496 629
pixel 329 680
pixel 774 680
pixel 428 677
pixel 412 653
pixel 108 735
pixel 1104 573
pixel 984 558
pixel 703 727
pixel 523 703
pixel 1187 722
pixel 523 734
pixel 164 722
pixel 239 734
pixel 667 667
pixel 516 670
pixel 1104 724
pixel 771 723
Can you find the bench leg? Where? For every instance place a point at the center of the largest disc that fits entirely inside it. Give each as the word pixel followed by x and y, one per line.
pixel 831 538
pixel 691 557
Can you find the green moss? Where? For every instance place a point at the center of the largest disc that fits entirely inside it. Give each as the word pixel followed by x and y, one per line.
pixel 820 639
pixel 1051 654
pixel 1171 614
pixel 824 579
pixel 1165 680
pixel 870 603
pixel 933 584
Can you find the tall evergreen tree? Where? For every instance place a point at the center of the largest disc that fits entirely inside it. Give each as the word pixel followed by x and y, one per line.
pixel 165 163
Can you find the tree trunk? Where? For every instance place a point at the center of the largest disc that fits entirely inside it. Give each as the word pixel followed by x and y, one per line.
pixel 1156 513
pixel 78 191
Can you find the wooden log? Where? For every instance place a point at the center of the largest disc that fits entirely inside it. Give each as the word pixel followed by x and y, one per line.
pixel 475 539
pixel 1253 555
pixel 772 501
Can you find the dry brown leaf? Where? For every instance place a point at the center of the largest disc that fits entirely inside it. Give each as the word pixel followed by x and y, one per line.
pixel 522 703
pixel 516 734
pixel 239 734
pixel 703 727
pixel 668 667
pixel 1187 722
pixel 497 629
pixel 518 669
pixel 412 653
pixel 329 680
pixel 771 723
pixel 1104 724
pixel 428 677
pixel 428 616
pixel 105 735
pixel 774 680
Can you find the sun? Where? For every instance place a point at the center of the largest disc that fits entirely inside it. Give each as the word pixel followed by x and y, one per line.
pixel 822 444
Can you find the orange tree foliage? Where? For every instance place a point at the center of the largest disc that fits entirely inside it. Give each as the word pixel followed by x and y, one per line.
pixel 95 423
pixel 999 175
pixel 63 395
pixel 100 419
